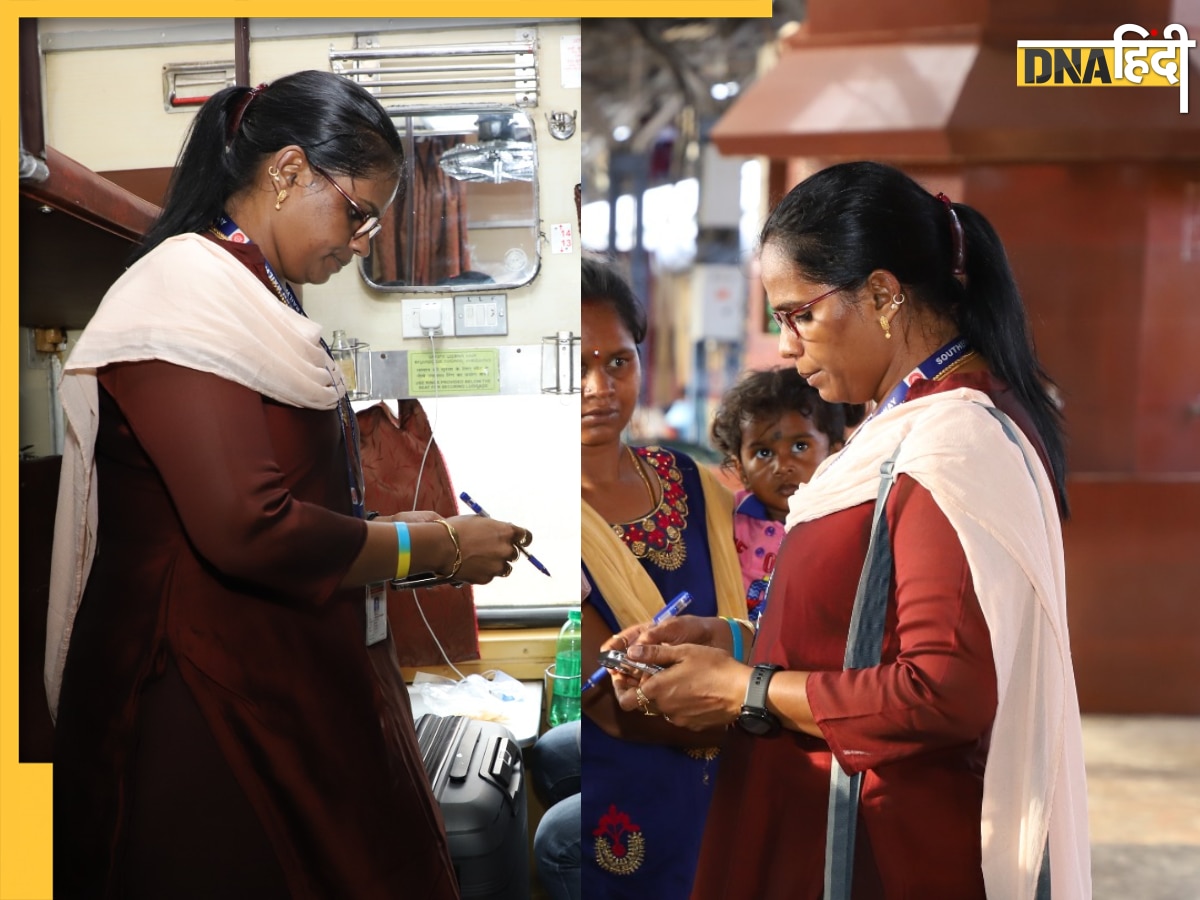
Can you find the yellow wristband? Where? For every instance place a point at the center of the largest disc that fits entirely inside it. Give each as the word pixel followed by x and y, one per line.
pixel 403 550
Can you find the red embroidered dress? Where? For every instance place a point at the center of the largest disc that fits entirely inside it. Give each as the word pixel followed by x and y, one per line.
pixel 658 536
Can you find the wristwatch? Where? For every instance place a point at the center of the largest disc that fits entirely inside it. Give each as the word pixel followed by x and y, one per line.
pixel 755 718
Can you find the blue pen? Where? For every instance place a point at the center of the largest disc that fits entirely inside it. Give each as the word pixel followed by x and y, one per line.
pixel 480 511
pixel 681 602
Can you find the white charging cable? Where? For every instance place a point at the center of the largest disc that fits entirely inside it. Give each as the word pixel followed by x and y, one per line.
pixel 430 325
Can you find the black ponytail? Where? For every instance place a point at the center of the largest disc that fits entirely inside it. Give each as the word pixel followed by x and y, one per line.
pixel 341 127
pixel 991 316
pixel 848 220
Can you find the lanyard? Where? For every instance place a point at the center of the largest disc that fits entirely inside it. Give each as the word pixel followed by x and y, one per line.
pixel 228 230
pixel 937 363
pixel 940 363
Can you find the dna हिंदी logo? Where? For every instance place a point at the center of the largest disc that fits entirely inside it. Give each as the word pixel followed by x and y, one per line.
pixel 1121 62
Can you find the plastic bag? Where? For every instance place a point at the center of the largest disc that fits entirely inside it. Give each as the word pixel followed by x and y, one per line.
pixel 498 698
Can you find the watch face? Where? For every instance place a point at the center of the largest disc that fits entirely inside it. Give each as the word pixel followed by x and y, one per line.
pixel 757 723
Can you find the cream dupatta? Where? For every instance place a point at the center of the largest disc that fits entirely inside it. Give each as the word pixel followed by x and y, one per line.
pixel 1008 525
pixel 187 302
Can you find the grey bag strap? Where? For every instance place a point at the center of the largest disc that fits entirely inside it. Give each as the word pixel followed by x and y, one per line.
pixel 864 645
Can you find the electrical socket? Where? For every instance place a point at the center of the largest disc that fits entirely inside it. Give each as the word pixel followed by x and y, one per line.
pixel 429 316
pixel 417 315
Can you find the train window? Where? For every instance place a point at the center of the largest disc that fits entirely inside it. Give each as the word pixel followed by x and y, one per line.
pixel 518 457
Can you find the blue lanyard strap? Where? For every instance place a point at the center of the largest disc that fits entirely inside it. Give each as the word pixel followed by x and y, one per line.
pixel 930 368
pixel 228 230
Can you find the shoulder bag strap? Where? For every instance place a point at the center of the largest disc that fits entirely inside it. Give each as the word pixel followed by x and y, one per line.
pixel 864 645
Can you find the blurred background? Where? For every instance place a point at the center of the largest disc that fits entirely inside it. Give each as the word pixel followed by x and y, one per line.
pixel 693 128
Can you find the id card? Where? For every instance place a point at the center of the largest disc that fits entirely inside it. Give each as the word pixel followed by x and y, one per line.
pixel 377 620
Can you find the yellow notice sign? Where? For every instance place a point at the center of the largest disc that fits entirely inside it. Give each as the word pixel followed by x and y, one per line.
pixel 457 373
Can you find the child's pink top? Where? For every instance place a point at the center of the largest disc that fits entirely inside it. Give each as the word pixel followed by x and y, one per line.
pixel 757 537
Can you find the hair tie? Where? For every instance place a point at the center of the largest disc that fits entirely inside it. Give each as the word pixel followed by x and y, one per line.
pixel 235 121
pixel 958 266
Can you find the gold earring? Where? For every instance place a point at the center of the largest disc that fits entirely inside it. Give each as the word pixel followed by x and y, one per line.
pixel 886 326
pixel 282 195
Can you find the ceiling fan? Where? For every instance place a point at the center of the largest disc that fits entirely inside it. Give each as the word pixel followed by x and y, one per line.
pixel 496 157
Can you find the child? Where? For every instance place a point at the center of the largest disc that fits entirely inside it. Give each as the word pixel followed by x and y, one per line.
pixel 773 430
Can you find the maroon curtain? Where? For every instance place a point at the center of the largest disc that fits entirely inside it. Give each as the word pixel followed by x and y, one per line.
pixel 433 247
pixel 391 453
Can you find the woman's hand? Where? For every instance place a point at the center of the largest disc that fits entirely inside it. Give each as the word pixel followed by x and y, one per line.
pixel 676 630
pixel 699 687
pixel 625 638
pixel 488 546
pixel 708 631
pixel 703 632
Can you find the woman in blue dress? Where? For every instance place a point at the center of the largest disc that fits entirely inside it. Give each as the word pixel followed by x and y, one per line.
pixel 654 524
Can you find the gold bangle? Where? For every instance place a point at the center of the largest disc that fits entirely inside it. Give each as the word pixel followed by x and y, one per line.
pixel 458 559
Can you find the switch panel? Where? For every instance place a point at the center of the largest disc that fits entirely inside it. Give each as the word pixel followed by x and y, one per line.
pixel 480 314
pixel 418 315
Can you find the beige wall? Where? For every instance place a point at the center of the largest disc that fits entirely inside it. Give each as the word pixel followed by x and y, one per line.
pixel 514 453
pixel 104 109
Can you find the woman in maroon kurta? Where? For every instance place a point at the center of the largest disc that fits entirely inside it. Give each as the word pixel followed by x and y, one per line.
pixel 228 722
pixel 922 318
pixel 917 725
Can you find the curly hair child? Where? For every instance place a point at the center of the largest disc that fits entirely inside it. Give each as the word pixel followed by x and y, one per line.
pixel 773 430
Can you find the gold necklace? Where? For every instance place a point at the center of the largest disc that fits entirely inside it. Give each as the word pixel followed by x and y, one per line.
pixel 954 365
pixel 642 474
pixel 657 536
pixel 280 294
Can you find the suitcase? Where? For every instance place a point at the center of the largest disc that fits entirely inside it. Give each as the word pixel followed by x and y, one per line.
pixel 479 782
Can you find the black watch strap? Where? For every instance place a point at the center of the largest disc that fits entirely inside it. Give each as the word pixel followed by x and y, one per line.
pixel 756 690
pixel 755 717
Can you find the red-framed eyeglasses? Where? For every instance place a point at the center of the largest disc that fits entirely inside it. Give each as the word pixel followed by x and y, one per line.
pixel 370 224
pixel 787 317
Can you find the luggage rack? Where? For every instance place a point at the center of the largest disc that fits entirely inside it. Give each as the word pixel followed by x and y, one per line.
pixel 462 72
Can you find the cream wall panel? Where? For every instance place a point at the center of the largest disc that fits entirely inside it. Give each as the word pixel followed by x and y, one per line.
pixel 104 109
pixel 518 454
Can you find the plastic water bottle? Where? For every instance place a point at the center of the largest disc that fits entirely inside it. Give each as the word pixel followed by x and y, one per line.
pixel 343 354
pixel 568 666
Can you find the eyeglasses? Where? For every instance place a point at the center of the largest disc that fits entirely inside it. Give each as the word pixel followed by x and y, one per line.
pixel 370 224
pixel 788 317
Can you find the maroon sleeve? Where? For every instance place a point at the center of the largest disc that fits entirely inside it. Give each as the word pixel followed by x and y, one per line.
pixel 937 685
pixel 209 440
